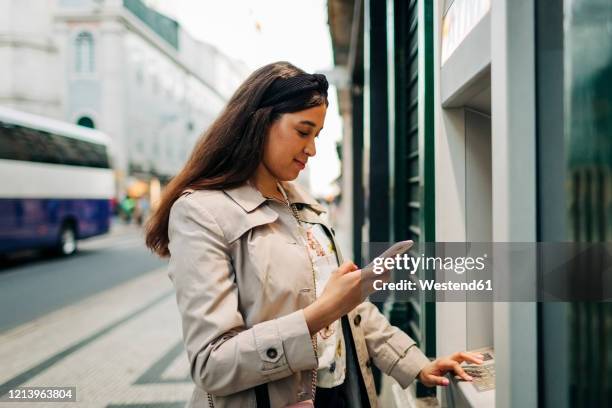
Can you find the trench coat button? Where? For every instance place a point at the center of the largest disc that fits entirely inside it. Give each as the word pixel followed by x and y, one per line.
pixel 271 352
pixel 357 320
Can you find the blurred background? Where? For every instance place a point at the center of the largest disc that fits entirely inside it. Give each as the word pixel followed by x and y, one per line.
pixel 449 121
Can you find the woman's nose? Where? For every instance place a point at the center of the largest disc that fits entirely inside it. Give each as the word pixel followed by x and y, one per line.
pixel 310 148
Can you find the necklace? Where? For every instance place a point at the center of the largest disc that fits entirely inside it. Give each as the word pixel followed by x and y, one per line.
pixel 302 234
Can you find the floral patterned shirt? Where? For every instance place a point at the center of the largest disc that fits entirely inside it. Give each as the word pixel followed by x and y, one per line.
pixel 330 341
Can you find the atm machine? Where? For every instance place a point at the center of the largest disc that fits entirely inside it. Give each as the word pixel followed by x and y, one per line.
pixel 464 186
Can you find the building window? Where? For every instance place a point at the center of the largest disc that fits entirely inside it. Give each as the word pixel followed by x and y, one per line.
pixel 139 75
pixel 84 53
pixel 86 121
pixel 139 146
pixel 155 85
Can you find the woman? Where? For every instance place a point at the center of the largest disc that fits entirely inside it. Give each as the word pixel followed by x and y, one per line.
pixel 271 314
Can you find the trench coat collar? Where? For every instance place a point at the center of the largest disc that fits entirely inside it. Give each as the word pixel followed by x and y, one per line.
pixel 249 197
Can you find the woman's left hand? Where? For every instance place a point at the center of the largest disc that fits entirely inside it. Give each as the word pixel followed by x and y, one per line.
pixel 433 373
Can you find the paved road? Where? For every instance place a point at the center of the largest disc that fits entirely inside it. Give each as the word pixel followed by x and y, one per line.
pixel 33 285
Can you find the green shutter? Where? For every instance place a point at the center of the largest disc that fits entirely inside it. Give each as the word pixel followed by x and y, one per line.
pixel 414 210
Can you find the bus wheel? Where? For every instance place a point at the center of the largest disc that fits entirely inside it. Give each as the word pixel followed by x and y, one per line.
pixel 67 244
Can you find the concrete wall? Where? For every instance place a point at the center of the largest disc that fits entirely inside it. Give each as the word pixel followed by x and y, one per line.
pixel 29 68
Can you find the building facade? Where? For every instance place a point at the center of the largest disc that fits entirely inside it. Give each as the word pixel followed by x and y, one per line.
pixel 484 121
pixel 118 66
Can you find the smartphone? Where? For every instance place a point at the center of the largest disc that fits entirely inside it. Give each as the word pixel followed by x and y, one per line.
pixel 396 249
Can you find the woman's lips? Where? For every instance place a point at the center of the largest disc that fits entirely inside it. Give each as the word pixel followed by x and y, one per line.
pixel 300 164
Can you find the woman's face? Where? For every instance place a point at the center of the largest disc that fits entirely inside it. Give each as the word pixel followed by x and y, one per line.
pixel 291 142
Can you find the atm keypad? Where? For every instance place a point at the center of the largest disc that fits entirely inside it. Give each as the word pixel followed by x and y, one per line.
pixel 483 376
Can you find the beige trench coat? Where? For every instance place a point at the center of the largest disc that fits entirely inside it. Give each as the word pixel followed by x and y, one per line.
pixel 242 280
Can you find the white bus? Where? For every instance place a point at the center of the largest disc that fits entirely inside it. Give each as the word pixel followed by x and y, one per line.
pixel 56 183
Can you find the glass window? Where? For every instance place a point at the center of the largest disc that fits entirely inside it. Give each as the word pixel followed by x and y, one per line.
pixel 84 53
pixel 25 144
pixel 86 121
pixel 139 75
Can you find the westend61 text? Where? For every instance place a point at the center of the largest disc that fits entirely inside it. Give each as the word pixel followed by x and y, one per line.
pixel 404 284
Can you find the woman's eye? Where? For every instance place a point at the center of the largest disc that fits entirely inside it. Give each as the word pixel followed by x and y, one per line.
pixel 302 133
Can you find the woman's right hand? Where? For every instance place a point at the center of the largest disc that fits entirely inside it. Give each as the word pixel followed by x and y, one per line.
pixel 343 292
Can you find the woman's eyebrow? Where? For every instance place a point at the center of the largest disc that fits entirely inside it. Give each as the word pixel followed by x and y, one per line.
pixel 307 122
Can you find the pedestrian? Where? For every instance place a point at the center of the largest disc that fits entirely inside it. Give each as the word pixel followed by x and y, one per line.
pixel 142 209
pixel 127 206
pixel 271 314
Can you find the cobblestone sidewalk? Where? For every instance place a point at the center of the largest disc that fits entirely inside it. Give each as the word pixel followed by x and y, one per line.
pixel 121 348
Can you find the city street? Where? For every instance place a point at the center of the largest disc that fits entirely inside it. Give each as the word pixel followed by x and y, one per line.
pixel 104 321
pixel 457 125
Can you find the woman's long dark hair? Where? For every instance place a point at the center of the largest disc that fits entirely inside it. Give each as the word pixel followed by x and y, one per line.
pixel 229 152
